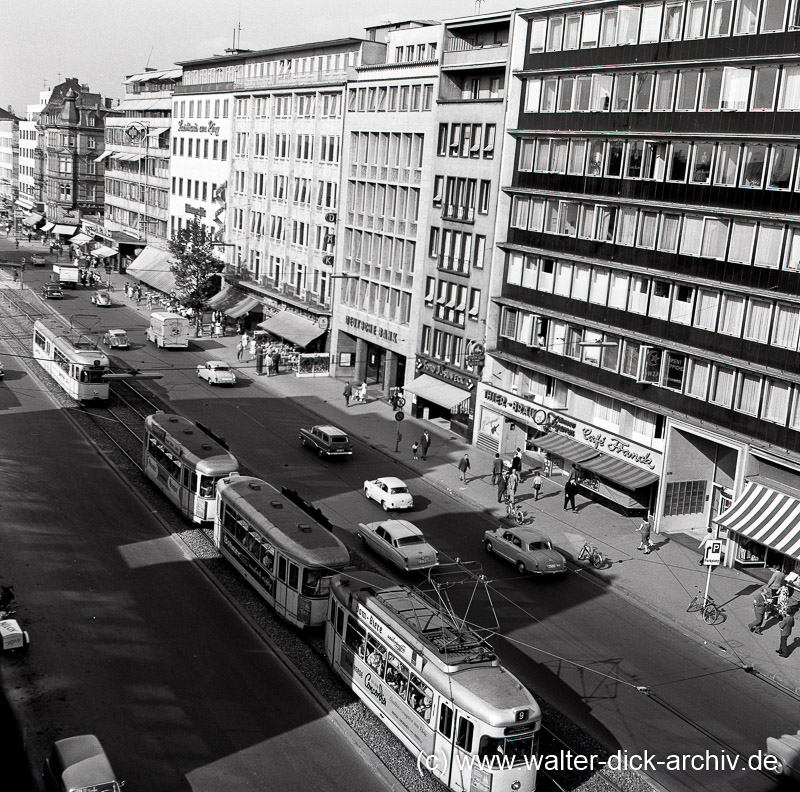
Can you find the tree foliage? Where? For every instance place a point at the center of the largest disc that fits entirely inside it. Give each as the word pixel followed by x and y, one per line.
pixel 195 265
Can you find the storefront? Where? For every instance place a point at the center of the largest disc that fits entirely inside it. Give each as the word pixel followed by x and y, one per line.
pixel 612 470
pixel 298 330
pixel 442 393
pixel 243 309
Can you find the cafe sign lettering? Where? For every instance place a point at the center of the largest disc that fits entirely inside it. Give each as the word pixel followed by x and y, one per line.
pixel 613 445
pixel 444 373
pixel 210 127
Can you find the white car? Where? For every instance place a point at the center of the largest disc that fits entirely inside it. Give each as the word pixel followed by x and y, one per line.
pixel 786 753
pixel 103 299
pixel 116 338
pixel 399 542
pixel 390 492
pixel 216 372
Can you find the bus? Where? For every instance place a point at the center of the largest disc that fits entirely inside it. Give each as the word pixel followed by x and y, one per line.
pixel 286 557
pixel 73 361
pixel 185 461
pixel 434 683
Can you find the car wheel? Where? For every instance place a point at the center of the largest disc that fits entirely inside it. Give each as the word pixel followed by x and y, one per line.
pixel 521 568
pixel 488 547
pixel 321 454
pixel 366 493
pixel 385 506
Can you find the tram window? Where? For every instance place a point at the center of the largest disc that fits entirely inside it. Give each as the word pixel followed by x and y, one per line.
pixel 520 747
pixel 83 375
pixel 356 638
pixel 229 519
pixel 269 557
pixel 95 375
pixel 282 569
pixel 252 544
pixel 207 484
pixel 376 655
pixel 445 720
pixel 339 619
pixel 464 734
pixel 420 697
pixel 294 576
pixel 311 582
pixel 491 746
pixel 397 676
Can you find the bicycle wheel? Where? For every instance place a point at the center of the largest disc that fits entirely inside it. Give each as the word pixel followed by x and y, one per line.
pixel 520 517
pixel 711 613
pixel 597 559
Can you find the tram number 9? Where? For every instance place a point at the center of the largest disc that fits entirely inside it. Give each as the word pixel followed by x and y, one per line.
pixel 521 715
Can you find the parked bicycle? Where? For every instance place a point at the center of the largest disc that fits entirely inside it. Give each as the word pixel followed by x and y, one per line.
pixel 514 512
pixel 710 611
pixel 592 554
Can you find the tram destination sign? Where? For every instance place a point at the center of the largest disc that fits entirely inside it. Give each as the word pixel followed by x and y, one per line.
pixel 395 643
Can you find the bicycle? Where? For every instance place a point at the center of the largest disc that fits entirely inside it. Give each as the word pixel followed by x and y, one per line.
pixel 708 609
pixel 592 554
pixel 515 513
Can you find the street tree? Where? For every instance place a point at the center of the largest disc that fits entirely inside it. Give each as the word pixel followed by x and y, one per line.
pixel 195 265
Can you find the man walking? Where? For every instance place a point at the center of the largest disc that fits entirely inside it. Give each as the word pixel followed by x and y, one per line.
pixel 776 579
pixel 786 625
pixel 645 529
pixel 516 462
pixel 424 443
pixel 348 392
pixel 759 611
pixel 502 483
pixel 537 485
pixel 570 489
pixel 497 469
pixel 463 467
pixel 511 486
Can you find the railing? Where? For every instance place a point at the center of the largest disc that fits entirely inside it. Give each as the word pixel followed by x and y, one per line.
pixel 457 44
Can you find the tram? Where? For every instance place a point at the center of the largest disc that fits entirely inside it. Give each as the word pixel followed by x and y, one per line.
pixel 73 361
pixel 185 462
pixel 435 684
pixel 287 558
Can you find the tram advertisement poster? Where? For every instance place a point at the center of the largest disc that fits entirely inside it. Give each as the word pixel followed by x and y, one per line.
pixel 398 645
pixel 384 698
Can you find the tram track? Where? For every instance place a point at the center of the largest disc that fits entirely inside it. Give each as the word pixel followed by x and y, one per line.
pixel 117 429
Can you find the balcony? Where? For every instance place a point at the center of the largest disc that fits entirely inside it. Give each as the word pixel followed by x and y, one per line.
pixel 462 214
pixel 462 52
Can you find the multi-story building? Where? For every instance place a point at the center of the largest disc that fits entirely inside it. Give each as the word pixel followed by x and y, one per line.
pixel 389 142
pixel 283 192
pixel 456 249
pixel 136 157
pixel 9 156
pixel 73 127
pixel 31 163
pixel 648 301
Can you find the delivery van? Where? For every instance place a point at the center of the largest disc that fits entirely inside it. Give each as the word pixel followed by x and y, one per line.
pixel 168 330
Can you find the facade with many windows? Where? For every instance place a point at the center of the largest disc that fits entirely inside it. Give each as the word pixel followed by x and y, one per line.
pixel 9 160
pixel 31 160
pixel 647 315
pixel 460 234
pixel 388 146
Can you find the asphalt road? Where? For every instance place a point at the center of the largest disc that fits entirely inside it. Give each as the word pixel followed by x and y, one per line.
pixel 572 641
pixel 130 640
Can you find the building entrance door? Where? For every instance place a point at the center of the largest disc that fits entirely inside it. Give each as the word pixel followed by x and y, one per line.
pixel 376 361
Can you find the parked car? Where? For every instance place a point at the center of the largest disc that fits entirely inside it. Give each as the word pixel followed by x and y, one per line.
pixel 216 372
pixel 52 291
pixel 79 764
pixel 786 751
pixel 116 338
pixel 326 440
pixel 102 299
pixel 1 369
pixel 390 492
pixel 401 543
pixel 528 550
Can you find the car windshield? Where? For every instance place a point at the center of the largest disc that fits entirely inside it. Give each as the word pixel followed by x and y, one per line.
pixel 399 490
pixel 338 439
pixel 404 541
pixel 222 367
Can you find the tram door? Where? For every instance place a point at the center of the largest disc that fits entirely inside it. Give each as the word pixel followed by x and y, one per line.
pixel 286 590
pixel 443 748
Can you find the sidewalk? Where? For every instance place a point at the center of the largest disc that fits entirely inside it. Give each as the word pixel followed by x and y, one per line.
pixel 663 581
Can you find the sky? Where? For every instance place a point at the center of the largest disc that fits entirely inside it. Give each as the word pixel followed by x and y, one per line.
pixel 42 42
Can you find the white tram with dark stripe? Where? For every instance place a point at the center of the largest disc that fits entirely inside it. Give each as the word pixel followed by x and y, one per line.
pixel 436 685
pixel 185 462
pixel 73 361
pixel 285 556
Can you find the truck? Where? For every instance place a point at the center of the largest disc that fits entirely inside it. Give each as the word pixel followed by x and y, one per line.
pixel 66 274
pixel 168 330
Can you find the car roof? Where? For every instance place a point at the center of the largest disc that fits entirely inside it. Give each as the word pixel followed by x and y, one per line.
pixel 399 528
pixel 528 534
pixel 118 332
pixel 217 363
pixel 83 760
pixel 330 429
pixel 391 481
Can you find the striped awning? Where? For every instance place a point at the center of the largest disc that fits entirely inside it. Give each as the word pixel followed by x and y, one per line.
pixel 566 447
pixel 766 516
pixel 620 472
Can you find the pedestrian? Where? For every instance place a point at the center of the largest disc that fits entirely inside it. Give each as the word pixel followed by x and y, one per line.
pixel 759 611
pixel 776 579
pixel 348 392
pixel 704 543
pixel 253 343
pixel 149 299
pixel 415 450
pixel 463 467
pixel 570 489
pixel 239 351
pixel 16 244
pixel 644 529
pixel 537 485
pixel 245 339
pixel 502 483
pixel 786 625
pixel 424 443
pixel 511 486
pixel 138 294
pixel 573 473
pixel 276 361
pixel 29 236
pixel 217 329
pixel 516 461
pixel 497 469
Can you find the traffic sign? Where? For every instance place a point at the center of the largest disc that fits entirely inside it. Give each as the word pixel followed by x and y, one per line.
pixel 399 415
pixel 713 556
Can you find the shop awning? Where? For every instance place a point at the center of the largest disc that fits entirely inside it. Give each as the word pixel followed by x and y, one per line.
pixel 226 298
pixel 438 392
pixel 565 447
pixel 152 266
pixel 154 133
pixel 81 239
pixel 23 203
pixel 105 155
pixel 103 251
pixel 766 516
pixel 65 230
pixel 32 219
pixel 620 472
pixel 292 327
pixel 48 226
pixel 245 305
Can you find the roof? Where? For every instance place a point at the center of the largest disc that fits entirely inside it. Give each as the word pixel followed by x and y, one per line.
pixel 528 534
pixel 193 443
pixel 391 481
pixel 247 54
pixel 330 429
pixel 147 76
pixel 398 528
